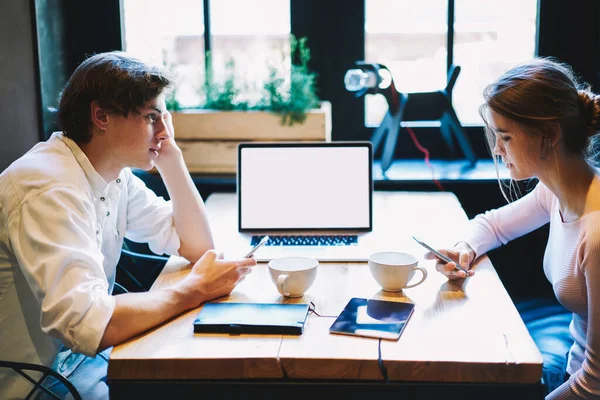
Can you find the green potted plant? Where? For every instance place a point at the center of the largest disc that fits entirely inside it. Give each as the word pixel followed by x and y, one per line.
pixel 289 109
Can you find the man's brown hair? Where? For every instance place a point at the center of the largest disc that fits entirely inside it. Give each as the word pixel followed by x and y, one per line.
pixel 117 81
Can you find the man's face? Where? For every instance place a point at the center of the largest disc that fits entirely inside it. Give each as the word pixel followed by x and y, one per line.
pixel 136 140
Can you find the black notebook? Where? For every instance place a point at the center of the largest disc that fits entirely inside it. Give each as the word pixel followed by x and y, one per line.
pixel 251 318
pixel 373 318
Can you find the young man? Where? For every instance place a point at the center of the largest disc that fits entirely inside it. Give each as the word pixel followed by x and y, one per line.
pixel 65 208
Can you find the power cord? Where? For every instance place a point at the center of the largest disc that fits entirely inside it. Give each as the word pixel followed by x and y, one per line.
pixel 313 309
pixel 382 367
pixel 426 152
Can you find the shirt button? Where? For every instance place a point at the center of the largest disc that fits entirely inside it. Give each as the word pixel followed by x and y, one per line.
pixel 97 232
pixel 118 180
pixel 107 213
pixel 102 199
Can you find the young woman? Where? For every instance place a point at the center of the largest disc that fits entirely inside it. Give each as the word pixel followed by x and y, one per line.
pixel 542 123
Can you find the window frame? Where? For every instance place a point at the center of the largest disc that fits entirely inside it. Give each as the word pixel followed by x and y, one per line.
pixel 326 25
pixel 336 36
pixel 335 32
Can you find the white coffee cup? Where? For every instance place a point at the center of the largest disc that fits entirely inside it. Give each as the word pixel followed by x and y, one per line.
pixel 293 276
pixel 393 270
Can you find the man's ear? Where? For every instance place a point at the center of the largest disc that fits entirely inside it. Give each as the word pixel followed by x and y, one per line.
pixel 99 116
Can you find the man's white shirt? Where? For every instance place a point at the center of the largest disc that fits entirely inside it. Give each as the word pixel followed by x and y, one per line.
pixel 61 232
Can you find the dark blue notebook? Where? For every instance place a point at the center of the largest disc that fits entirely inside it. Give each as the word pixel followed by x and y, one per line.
pixel 251 318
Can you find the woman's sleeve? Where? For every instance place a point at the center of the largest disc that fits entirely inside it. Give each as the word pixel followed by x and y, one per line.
pixel 499 226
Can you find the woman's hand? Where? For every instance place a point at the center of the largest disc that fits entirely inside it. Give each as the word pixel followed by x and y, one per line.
pixel 461 253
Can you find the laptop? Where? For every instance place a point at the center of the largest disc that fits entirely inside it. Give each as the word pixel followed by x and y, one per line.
pixel 311 198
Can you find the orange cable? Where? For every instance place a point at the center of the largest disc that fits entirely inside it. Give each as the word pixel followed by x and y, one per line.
pixel 426 152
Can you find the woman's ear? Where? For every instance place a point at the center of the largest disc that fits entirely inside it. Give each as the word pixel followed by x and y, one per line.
pixel 99 116
pixel 550 137
pixel 554 134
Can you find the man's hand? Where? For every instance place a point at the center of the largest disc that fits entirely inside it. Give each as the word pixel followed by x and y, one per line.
pixel 212 277
pixel 168 148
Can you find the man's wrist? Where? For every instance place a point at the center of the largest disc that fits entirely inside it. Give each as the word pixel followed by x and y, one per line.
pixel 182 297
pixel 172 159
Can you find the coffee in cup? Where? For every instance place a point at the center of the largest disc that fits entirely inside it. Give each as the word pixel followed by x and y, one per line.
pixel 394 270
pixel 293 276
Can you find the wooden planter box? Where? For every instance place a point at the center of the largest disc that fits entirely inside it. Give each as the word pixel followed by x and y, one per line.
pixel 209 139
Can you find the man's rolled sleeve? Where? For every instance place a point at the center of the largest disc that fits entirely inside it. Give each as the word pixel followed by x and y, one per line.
pixel 87 318
pixel 91 330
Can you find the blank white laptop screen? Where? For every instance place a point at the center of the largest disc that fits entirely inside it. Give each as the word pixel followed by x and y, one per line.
pixel 286 187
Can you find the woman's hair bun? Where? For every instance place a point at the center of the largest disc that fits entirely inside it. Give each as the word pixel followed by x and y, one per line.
pixel 589 106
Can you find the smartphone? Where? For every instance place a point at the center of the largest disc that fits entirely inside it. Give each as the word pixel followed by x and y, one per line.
pixel 439 255
pixel 258 246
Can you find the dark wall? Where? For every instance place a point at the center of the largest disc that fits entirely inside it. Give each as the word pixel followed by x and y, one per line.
pixel 52 58
pixel 19 99
pixel 68 31
pixel 570 31
pixel 335 43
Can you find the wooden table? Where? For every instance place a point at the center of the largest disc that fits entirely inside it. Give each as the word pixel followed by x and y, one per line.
pixel 464 339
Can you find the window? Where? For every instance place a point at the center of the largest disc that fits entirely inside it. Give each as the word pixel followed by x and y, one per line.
pixel 410 37
pixel 175 36
pixel 172 36
pixel 487 42
pixel 252 37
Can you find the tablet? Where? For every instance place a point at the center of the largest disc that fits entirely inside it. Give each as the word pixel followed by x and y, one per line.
pixel 265 318
pixel 373 318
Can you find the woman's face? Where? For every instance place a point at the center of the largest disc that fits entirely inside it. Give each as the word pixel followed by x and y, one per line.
pixel 519 150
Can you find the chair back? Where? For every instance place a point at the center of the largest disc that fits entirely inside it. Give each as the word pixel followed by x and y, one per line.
pixel 36 374
pixel 137 271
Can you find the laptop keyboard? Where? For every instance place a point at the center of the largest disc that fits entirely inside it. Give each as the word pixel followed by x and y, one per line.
pixel 303 240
